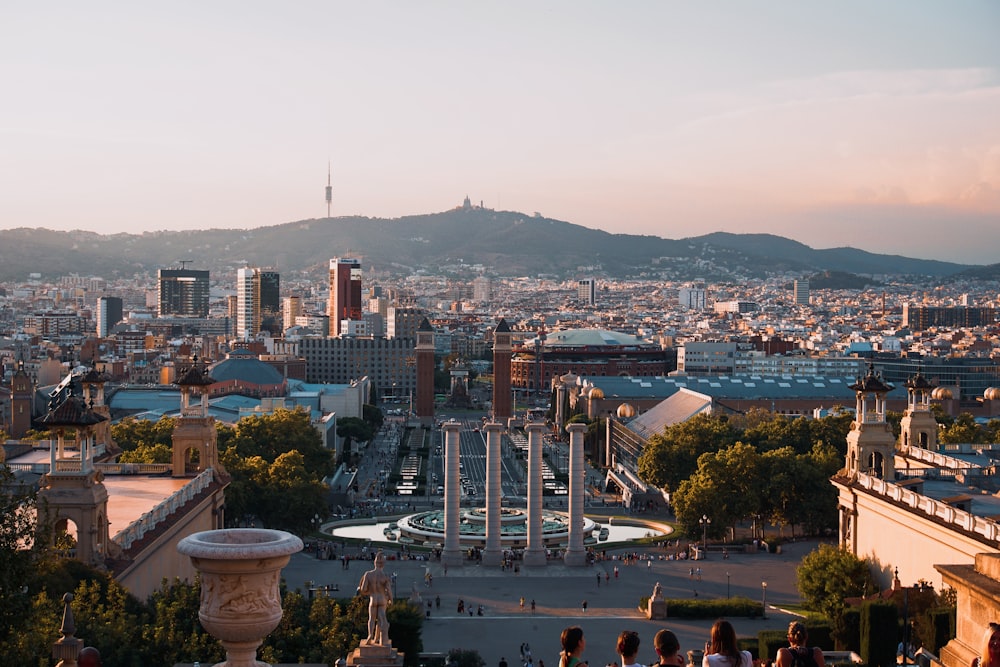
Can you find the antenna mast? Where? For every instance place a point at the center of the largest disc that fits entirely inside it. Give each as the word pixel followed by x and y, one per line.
pixel 329 189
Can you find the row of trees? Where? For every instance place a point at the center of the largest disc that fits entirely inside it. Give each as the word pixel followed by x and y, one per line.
pixel 165 630
pixel 758 466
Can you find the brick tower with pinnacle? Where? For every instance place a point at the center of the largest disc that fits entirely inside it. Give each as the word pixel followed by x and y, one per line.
pixel 425 373
pixel 503 408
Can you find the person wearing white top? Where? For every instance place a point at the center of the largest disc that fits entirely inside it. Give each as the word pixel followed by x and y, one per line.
pixel 722 651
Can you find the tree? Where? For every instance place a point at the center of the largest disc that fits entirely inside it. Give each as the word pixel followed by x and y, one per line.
pixel 671 457
pixel 727 487
pixel 963 430
pixel 18 550
pixel 827 575
pixel 269 436
pixel 130 432
pixel 353 429
pixel 144 453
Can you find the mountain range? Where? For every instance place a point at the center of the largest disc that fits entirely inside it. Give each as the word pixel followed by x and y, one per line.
pixel 456 242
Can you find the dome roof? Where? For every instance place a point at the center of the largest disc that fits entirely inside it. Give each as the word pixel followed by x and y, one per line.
pixel 591 338
pixel 942 394
pixel 626 411
pixel 992 394
pixel 595 393
pixel 246 369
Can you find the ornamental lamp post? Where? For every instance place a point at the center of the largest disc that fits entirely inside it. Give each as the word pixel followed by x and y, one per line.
pixel 763 599
pixel 705 523
pixel 727 585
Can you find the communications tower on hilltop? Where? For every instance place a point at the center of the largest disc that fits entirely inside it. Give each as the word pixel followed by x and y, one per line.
pixel 329 190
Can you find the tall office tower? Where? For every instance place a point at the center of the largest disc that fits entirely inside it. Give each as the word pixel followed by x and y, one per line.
pixel 482 289
pixel 109 313
pixel 345 292
pixel 182 292
pixel 292 308
pixel 402 322
pixel 269 286
pixel 247 303
pixel 692 297
pixel 586 291
pixel 800 292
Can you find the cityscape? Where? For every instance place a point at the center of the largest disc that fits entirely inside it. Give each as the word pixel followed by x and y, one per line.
pixel 466 364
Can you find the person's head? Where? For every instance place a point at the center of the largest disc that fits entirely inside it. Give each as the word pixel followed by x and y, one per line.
pixel 666 645
pixel 797 634
pixel 722 640
pixel 572 639
pixel 990 650
pixel 379 558
pixel 89 657
pixel 628 643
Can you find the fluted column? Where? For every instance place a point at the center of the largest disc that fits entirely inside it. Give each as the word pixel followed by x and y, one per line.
pixel 575 553
pixel 452 554
pixel 493 554
pixel 535 553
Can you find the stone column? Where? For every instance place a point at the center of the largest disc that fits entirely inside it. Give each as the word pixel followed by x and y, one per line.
pixel 535 553
pixel 452 554
pixel 493 554
pixel 575 553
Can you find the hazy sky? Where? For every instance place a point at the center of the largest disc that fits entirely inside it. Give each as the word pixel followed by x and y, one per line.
pixel 874 124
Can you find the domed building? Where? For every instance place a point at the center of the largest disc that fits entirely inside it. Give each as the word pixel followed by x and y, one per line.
pixel 588 352
pixel 241 372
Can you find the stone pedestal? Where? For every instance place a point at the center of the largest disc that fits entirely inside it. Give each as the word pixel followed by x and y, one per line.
pixel 373 655
pixel 657 610
pixel 451 555
pixel 977 592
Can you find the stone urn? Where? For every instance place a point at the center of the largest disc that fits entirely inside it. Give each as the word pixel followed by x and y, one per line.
pixel 240 601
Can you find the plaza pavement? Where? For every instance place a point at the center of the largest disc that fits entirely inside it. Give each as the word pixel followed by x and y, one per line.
pixel 559 591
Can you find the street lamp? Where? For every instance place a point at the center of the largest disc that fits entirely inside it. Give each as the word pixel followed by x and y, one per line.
pixel 394 586
pixel 727 585
pixel 763 599
pixel 705 522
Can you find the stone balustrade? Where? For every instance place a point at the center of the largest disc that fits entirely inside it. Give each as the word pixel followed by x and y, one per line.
pixel 137 529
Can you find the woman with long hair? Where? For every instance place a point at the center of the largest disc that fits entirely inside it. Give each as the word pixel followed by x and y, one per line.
pixel 722 649
pixel 573 644
pixel 989 652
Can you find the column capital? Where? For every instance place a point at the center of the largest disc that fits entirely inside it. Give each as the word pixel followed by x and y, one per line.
pixel 576 427
pixel 535 427
pixel 493 426
pixel 452 426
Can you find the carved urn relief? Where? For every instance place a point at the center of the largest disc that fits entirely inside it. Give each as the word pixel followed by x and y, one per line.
pixel 240 600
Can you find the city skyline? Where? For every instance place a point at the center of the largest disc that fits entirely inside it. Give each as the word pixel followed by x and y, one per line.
pixel 861 125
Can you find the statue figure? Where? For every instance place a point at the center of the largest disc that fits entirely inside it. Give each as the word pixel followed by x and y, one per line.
pixel 657 593
pixel 375 582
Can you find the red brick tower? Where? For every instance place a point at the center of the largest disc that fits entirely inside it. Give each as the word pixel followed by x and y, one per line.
pixel 425 373
pixel 503 403
pixel 20 402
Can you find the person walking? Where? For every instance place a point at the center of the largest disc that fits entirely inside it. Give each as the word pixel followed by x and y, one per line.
pixel 573 645
pixel 798 654
pixel 503 662
pixel 533 613
pixel 584 605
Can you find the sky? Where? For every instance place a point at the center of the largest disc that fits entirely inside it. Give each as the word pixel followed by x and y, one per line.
pixel 855 123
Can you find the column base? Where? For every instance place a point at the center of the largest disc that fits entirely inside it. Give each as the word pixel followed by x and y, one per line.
pixel 575 558
pixel 452 558
pixel 374 655
pixel 535 557
pixel 493 558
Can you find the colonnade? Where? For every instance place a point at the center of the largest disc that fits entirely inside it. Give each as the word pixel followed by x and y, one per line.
pixel 535 552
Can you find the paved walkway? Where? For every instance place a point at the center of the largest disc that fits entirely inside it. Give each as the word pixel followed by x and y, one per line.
pixel 559 591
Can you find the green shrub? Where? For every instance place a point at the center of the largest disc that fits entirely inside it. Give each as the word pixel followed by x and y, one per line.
pixel 943 622
pixel 749 644
pixel 717 608
pixel 879 632
pixel 849 635
pixel 770 641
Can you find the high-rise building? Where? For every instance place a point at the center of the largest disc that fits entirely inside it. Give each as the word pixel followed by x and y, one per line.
pixel 345 293
pixel 586 291
pixel 182 292
pixel 247 303
pixel 482 289
pixel 292 308
pixel 692 297
pixel 800 292
pixel 258 301
pixel 402 322
pixel 109 313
